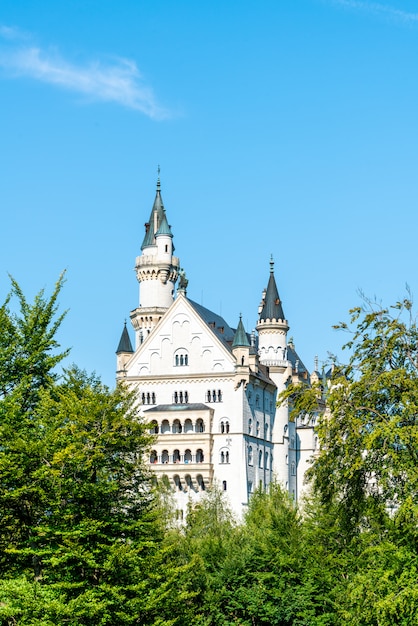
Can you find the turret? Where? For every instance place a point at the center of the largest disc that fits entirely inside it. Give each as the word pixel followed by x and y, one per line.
pixel 241 351
pixel 123 353
pixel 156 271
pixel 272 330
pixel 272 326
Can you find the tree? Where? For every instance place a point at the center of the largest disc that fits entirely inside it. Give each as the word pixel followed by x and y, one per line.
pixel 366 472
pixel 79 530
pixel 28 356
pixel 369 434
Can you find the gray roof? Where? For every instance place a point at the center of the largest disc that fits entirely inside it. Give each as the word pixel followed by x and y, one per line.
pixel 164 228
pixel 156 218
pixel 125 342
pixel 196 406
pixel 272 308
pixel 240 337
pixel 215 322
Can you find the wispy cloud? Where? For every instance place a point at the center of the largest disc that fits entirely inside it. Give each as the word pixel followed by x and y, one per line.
pixel 383 10
pixel 119 82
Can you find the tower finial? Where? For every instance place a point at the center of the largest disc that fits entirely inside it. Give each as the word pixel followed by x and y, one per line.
pixel 158 177
pixel 271 265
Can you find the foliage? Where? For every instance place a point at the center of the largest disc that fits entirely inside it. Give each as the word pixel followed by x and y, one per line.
pixel 85 540
pixel 369 434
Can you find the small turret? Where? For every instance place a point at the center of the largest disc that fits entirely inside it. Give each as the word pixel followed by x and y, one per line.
pixel 241 350
pixel 123 353
pixel 272 326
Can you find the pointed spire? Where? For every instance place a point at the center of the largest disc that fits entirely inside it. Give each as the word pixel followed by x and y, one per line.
pixel 156 217
pixel 164 228
pixel 272 306
pixel 125 342
pixel 240 337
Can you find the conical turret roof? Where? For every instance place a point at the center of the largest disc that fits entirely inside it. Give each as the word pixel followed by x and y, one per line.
pixel 156 219
pixel 125 342
pixel 272 308
pixel 164 228
pixel 240 337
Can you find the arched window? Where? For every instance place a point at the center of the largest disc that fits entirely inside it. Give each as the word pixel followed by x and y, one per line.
pixel 219 395
pixel 224 485
pixel 250 455
pixel 208 396
pixel 164 456
pixel 224 456
pixel 153 399
pixel 293 468
pixel 188 426
pixel 250 426
pixel 181 358
pixel 200 426
pixel 214 396
pixel 176 456
pixel 224 426
pixel 177 427
pixel 153 458
pixel 266 460
pixel 266 431
pixel 258 429
pixel 188 456
pixel 260 459
pixel 154 428
pixel 200 482
pixel 199 456
pixel 165 426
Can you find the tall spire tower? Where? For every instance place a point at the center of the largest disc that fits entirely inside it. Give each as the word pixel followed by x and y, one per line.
pixel 272 326
pixel 272 330
pixel 156 270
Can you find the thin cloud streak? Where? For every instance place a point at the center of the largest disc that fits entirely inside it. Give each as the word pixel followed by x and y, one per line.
pixel 380 9
pixel 120 82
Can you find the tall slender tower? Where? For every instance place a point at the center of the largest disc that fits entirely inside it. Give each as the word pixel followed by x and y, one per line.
pixel 272 330
pixel 156 270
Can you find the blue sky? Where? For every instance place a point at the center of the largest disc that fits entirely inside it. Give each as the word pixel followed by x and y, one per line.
pixel 281 127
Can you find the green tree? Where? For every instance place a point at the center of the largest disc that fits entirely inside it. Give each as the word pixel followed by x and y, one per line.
pixel 79 532
pixel 365 474
pixel 29 354
pixel 369 434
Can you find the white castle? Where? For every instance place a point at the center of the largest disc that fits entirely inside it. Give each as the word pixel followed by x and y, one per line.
pixel 208 390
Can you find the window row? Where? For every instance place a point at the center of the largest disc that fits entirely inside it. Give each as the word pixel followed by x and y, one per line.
pixel 148 398
pixel 177 427
pixel 184 483
pixel 187 426
pixel 257 430
pixel 214 395
pixel 258 403
pixel 182 397
pixel 177 456
pixel 265 460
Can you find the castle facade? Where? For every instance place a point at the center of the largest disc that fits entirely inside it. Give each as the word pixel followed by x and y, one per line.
pixel 209 390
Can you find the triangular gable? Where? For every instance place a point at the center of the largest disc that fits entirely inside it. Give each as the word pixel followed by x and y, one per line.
pixel 181 343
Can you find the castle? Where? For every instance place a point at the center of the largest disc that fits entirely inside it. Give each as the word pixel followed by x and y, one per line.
pixel 209 390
